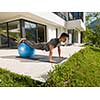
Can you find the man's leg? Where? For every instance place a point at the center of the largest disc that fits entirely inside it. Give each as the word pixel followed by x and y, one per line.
pixel 32 44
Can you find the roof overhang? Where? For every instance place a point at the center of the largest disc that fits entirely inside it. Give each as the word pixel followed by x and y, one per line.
pixel 9 16
pixel 76 24
pixel 39 17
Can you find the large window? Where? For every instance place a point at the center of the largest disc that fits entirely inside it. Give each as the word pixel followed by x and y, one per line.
pixel 41 33
pixel 35 32
pixel 14 33
pixel 3 35
pixel 75 15
pixel 31 31
pixel 11 32
pixel 75 36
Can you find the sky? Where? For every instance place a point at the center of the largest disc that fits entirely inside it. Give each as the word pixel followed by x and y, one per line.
pixel 50 5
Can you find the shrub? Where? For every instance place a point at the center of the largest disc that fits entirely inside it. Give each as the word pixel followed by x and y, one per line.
pixel 9 79
pixel 82 69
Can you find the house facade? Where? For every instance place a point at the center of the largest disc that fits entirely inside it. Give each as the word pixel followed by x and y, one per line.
pixel 39 26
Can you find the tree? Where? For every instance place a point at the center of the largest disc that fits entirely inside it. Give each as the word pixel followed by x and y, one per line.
pixel 92 35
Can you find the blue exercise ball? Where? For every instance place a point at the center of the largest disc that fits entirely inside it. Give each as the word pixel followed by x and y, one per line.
pixel 32 54
pixel 25 50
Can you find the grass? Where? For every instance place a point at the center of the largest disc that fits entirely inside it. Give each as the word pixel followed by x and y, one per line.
pixel 81 70
pixel 9 79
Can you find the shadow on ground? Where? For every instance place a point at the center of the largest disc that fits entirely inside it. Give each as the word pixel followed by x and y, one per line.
pixel 37 58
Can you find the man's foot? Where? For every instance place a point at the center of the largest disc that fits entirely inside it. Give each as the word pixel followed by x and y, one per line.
pixel 26 41
pixel 52 61
pixel 60 57
pixel 22 40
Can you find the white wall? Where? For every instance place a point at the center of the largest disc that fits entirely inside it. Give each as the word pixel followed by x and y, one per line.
pixel 79 37
pixel 70 38
pixel 50 17
pixel 51 32
pixel 61 30
pixel 76 24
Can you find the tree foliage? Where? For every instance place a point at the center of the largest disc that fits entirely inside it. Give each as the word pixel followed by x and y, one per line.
pixel 92 35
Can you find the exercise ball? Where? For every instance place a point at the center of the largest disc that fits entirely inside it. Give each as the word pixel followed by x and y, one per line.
pixel 25 50
pixel 32 54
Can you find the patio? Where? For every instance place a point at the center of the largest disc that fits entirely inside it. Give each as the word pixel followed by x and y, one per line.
pixel 38 67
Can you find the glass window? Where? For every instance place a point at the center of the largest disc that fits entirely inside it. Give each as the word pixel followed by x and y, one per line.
pixel 35 32
pixel 75 36
pixel 3 35
pixel 14 33
pixel 31 31
pixel 77 15
pixel 70 16
pixel 41 33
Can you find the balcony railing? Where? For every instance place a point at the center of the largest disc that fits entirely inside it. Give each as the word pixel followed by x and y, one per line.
pixel 61 15
pixel 75 16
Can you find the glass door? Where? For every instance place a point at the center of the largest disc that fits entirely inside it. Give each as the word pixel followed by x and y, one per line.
pixel 41 33
pixel 14 33
pixel 31 31
pixel 3 36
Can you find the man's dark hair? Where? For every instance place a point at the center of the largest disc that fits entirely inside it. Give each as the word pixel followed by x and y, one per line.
pixel 64 35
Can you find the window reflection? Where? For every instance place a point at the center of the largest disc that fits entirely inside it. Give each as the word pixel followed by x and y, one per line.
pixel 3 35
pixel 14 33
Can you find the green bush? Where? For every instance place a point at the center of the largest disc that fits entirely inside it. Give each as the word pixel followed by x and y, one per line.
pixel 82 69
pixel 9 79
pixel 90 36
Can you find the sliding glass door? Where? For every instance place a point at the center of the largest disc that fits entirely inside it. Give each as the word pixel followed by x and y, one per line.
pixel 14 33
pixel 35 32
pixel 11 32
pixel 31 31
pixel 41 33
pixel 3 35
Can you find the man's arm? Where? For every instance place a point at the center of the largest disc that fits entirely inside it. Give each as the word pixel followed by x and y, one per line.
pixel 51 47
pixel 59 51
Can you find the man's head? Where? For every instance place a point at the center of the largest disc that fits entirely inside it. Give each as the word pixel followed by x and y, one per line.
pixel 63 37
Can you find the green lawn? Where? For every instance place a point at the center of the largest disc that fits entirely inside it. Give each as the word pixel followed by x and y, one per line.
pixel 9 79
pixel 82 69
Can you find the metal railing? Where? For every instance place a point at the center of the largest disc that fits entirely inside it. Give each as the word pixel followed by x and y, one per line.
pixel 61 15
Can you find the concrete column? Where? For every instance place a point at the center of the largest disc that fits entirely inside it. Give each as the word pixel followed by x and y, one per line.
pixel 22 28
pixel 79 37
pixel 70 38
pixel 84 16
pixel 0 42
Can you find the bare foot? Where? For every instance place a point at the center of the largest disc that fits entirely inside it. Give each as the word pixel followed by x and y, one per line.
pixel 60 57
pixel 22 40
pixel 52 61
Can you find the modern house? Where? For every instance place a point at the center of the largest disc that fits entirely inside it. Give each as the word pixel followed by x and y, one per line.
pixel 39 26
pixel 76 26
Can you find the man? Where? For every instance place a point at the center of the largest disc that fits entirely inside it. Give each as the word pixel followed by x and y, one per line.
pixel 49 46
